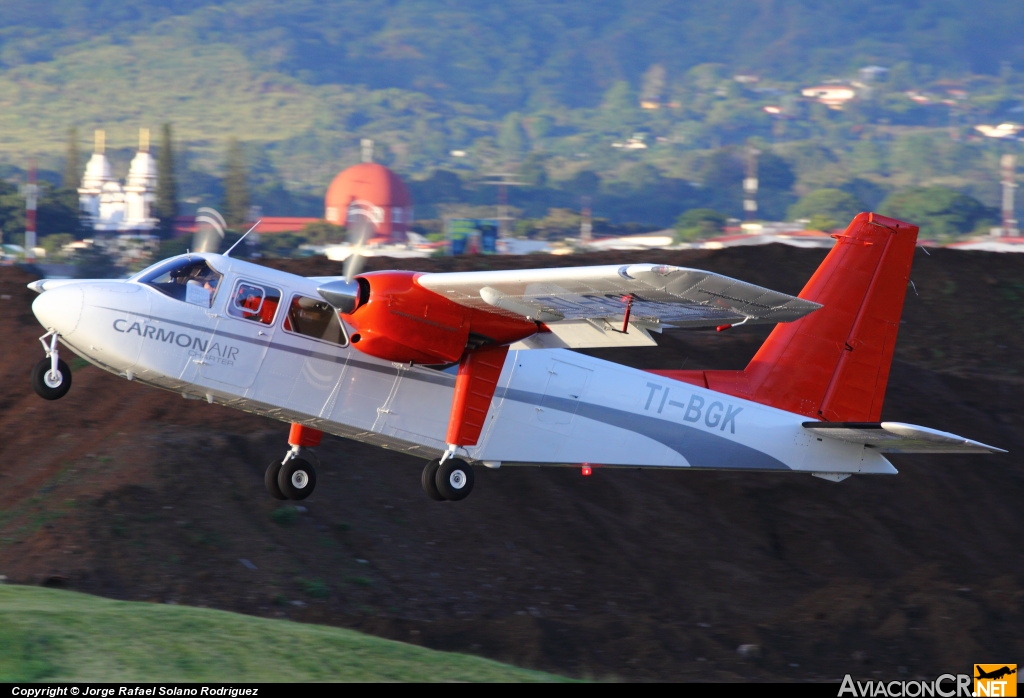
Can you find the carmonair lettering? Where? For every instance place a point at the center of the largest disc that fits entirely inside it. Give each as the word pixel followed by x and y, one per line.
pixel 207 349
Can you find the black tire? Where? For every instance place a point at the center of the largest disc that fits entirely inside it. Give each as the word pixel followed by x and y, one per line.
pixel 428 481
pixel 297 479
pixel 454 479
pixel 270 480
pixel 51 388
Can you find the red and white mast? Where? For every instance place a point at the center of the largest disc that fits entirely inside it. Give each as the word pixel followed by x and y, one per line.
pixel 31 197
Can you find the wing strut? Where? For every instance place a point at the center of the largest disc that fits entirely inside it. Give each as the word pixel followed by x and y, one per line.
pixel 479 371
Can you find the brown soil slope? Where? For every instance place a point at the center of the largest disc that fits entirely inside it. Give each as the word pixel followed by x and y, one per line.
pixel 130 492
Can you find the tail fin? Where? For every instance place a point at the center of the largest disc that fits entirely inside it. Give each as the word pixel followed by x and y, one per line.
pixel 834 364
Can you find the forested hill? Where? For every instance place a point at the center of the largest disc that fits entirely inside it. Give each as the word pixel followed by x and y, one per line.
pixel 513 54
pixel 647 108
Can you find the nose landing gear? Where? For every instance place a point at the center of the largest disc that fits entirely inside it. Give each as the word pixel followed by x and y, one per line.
pixel 51 377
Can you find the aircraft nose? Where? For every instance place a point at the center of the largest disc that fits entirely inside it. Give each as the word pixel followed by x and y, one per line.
pixel 60 308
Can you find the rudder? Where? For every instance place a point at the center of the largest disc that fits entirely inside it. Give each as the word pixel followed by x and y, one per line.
pixel 834 364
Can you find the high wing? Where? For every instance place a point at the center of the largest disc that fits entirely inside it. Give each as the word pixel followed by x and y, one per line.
pixel 897 437
pixel 590 306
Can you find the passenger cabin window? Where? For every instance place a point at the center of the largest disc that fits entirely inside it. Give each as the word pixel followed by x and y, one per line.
pixel 314 318
pixel 254 302
pixel 184 279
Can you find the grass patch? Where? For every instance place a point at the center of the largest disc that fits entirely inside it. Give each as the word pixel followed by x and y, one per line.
pixel 53 635
pixel 284 516
pixel 315 588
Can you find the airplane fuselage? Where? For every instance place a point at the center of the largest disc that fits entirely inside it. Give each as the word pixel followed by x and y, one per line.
pixel 551 406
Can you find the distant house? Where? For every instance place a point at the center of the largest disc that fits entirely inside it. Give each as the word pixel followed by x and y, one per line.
pixel 832 96
pixel 873 73
pixel 1007 130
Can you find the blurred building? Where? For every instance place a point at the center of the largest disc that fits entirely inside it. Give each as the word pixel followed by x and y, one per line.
pixel 369 189
pixel 832 96
pixel 110 206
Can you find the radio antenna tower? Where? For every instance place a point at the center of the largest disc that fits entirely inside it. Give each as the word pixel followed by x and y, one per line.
pixel 1009 167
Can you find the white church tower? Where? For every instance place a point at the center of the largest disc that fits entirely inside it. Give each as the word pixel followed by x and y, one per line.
pixel 111 207
pixel 140 188
pixel 97 174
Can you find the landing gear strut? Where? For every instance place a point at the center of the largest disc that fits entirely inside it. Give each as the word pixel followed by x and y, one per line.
pixel 451 480
pixel 51 377
pixel 294 477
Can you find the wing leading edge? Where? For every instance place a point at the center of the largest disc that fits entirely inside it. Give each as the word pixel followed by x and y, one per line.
pixel 897 437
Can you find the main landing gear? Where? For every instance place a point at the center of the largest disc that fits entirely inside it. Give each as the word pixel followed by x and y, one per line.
pixel 294 477
pixel 51 377
pixel 450 480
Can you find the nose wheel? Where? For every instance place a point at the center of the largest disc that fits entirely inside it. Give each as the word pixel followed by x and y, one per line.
pixel 51 377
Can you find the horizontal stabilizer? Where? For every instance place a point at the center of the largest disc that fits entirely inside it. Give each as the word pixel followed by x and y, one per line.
pixel 897 437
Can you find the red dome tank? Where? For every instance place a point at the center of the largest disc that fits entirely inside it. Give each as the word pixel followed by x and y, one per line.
pixel 375 191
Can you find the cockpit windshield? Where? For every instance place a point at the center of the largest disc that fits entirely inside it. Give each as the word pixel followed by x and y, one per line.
pixel 191 280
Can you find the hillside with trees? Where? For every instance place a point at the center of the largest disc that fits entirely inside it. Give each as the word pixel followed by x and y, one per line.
pixel 648 111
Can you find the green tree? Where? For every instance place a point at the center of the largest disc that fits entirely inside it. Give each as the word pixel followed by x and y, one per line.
pixel 619 111
pixel 583 183
pixel 72 163
pixel 511 136
pixel 699 223
pixel 940 212
pixel 166 207
pixel 54 244
pixel 12 211
pixel 236 185
pixel 826 209
pixel 58 211
pixel 533 171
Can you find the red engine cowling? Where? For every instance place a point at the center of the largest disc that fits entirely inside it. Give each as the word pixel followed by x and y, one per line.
pixel 398 320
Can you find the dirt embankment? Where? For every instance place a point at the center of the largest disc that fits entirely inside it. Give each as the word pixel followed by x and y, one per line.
pixel 130 492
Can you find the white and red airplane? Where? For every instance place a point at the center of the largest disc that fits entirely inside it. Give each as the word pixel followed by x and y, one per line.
pixel 475 368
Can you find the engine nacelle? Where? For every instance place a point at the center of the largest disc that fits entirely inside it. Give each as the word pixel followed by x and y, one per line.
pixel 398 320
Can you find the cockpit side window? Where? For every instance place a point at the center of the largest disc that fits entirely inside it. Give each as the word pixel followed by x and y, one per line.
pixel 314 318
pixel 190 280
pixel 256 302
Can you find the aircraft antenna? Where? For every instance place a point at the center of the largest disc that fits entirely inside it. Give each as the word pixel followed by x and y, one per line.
pixel 228 253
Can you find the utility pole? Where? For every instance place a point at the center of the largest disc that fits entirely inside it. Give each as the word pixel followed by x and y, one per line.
pixel 750 185
pixel 503 180
pixel 586 224
pixel 1009 167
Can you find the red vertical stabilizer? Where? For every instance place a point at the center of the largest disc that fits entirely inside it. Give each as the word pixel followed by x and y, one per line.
pixel 833 364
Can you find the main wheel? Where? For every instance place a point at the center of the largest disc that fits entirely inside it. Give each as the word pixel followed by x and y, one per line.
pixel 297 479
pixel 270 480
pixel 49 385
pixel 428 481
pixel 454 479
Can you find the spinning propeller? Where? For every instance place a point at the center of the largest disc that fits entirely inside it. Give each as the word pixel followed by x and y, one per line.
pixel 360 230
pixel 343 294
pixel 209 233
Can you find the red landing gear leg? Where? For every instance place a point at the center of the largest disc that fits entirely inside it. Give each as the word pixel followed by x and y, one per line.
pixel 452 478
pixel 294 477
